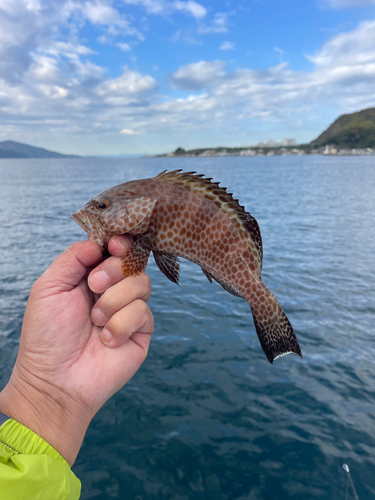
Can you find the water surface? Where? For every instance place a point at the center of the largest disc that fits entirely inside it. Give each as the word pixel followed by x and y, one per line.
pixel 207 417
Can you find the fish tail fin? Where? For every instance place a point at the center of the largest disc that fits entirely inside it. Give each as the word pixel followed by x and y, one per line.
pixel 274 330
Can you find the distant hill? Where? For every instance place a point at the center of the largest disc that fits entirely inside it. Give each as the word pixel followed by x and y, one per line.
pixel 355 130
pixel 12 149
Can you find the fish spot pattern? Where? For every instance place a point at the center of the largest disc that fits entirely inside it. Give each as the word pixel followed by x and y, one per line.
pixel 183 214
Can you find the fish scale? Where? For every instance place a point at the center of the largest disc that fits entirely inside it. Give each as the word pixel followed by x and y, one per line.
pixel 183 214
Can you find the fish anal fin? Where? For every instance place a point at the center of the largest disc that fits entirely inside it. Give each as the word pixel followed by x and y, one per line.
pixel 227 286
pixel 168 264
pixel 230 288
pixel 135 261
pixel 207 274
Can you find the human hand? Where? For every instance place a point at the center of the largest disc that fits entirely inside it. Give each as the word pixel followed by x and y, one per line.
pixel 64 371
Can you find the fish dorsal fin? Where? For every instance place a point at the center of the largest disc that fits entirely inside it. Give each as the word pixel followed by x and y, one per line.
pixel 220 197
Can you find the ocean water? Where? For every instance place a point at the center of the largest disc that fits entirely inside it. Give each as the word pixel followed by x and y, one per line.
pixel 207 417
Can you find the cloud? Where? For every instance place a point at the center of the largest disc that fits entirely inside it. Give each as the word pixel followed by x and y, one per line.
pixel 218 25
pixel 185 36
pixel 280 52
pixel 162 7
pixel 32 28
pixel 125 47
pixel 197 76
pixel 99 13
pixel 227 46
pixel 130 82
pixel 344 4
pixel 52 86
pixel 349 54
pixel 190 7
pixel 23 28
pixel 128 131
pixel 343 78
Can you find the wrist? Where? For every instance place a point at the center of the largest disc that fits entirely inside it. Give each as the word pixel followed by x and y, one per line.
pixel 48 412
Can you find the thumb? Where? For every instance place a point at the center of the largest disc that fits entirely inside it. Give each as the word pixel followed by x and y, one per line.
pixel 68 269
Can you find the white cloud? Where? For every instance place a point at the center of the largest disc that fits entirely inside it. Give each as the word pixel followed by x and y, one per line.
pixel 190 7
pixel 68 49
pixel 44 68
pixel 162 7
pixel 280 52
pixel 49 84
pixel 152 6
pixel 344 4
pixel 348 58
pixel 130 82
pixel 227 46
pixel 125 47
pixel 218 25
pixel 343 78
pixel 185 36
pixel 100 13
pixel 197 76
pixel 53 91
pixel 128 131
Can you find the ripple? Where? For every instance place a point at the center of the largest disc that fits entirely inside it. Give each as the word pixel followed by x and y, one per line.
pixel 207 416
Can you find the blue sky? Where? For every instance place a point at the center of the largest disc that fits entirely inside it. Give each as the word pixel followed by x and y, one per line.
pixel 96 77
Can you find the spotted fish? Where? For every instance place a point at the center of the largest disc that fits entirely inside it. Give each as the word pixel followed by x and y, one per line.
pixel 182 214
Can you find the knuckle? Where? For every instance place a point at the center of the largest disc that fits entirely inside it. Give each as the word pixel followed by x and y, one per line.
pixel 117 326
pixel 146 281
pixel 145 351
pixel 36 286
pixel 143 285
pixel 143 311
pixel 111 299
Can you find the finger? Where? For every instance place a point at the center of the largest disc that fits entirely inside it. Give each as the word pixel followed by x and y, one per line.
pixel 120 295
pixel 135 317
pixel 68 269
pixel 109 272
pixel 119 245
pixel 124 361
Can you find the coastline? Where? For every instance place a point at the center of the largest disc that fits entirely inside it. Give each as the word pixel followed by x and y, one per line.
pixel 328 150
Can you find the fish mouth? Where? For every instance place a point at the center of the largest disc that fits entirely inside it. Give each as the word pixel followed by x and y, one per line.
pixel 79 222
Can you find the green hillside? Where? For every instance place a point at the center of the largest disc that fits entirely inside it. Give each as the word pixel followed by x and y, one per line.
pixel 355 130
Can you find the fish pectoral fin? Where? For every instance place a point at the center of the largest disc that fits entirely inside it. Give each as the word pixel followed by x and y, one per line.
pixel 135 261
pixel 227 286
pixel 168 264
pixel 139 212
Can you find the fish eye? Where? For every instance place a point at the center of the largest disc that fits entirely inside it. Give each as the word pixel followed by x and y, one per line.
pixel 102 205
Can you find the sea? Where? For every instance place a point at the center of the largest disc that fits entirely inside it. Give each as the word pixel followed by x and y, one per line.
pixel 207 417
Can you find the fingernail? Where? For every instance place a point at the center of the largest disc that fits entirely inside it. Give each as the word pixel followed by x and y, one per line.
pixel 106 337
pixel 99 281
pixel 97 317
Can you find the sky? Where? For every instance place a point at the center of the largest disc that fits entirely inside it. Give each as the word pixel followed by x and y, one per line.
pixel 112 77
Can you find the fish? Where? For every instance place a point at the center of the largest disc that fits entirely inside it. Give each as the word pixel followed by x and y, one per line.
pixel 185 214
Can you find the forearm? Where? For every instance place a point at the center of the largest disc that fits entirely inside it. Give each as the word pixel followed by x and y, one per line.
pixel 52 416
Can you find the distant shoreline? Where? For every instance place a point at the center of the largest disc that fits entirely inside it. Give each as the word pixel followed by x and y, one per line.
pixel 328 150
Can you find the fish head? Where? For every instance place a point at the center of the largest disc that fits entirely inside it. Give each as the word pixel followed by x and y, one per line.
pixel 114 212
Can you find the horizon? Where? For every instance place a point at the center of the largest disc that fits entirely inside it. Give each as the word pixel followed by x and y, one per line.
pixel 142 77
